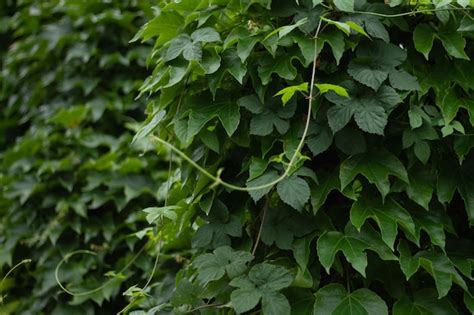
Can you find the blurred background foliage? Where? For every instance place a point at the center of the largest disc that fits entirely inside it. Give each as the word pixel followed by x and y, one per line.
pixel 69 179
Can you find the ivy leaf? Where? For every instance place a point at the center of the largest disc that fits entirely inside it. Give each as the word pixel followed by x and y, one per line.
pixel 376 167
pixel 353 245
pixel 425 302
pixel 275 303
pixel 268 117
pixel 452 178
pixel 423 38
pixel 262 283
pixel 165 26
pixel 335 40
pixel 339 116
pixel 266 178
pixel 223 260
pixel 325 87
pixel 282 225
pixel 201 112
pixel 149 127
pixel 367 75
pixel 371 117
pixel 454 44
pixel 294 191
pixel 344 5
pixel 402 80
pixel 387 216
pixel 155 213
pixel 334 299
pixel 281 66
pixel 206 35
pixel 320 193
pixel 439 266
pixel 288 92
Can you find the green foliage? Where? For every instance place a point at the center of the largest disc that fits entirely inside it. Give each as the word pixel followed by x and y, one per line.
pixel 69 179
pixel 374 213
pixel 320 154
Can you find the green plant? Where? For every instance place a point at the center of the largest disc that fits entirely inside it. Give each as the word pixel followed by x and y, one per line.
pixel 69 179
pixel 327 154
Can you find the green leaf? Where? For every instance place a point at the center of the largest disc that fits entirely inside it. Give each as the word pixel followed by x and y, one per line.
pixel 387 216
pixel 422 151
pixel 149 127
pixel 325 87
pixel 320 193
pixel 371 117
pixel 423 38
pixel 265 179
pixel 376 167
pixel 165 26
pixel 339 116
pixel 454 44
pixel 335 40
pixel 268 277
pixel 155 213
pixel 223 260
pixel 344 5
pixel 288 92
pixel 205 35
pixel 425 302
pixel 370 76
pixel 262 282
pixel 245 299
pixel 275 303
pixel 402 80
pixel 334 299
pixel 439 266
pixel 353 246
pixel 202 112
pixel 192 52
pixel 294 191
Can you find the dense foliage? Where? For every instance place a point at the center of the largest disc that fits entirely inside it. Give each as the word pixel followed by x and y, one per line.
pixel 376 213
pixel 69 179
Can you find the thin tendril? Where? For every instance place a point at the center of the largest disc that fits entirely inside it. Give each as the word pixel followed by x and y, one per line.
pixel 88 252
pixel 409 13
pixel 218 181
pixel 24 261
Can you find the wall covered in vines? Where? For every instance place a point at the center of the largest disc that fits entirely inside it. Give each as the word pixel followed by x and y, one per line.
pixel 69 179
pixel 326 154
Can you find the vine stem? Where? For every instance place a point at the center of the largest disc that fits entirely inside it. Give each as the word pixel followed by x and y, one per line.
pixel 259 234
pixel 218 181
pixel 409 13
pixel 88 252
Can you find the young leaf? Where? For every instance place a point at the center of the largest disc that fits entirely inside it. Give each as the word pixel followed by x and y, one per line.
pixel 325 87
pixel 155 213
pixel 288 92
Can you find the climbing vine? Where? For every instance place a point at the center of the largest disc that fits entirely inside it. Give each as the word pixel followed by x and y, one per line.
pixel 325 148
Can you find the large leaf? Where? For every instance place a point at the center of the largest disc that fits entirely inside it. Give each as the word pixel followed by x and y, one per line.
pixel 334 299
pixel 353 245
pixel 387 216
pixel 439 266
pixel 376 167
